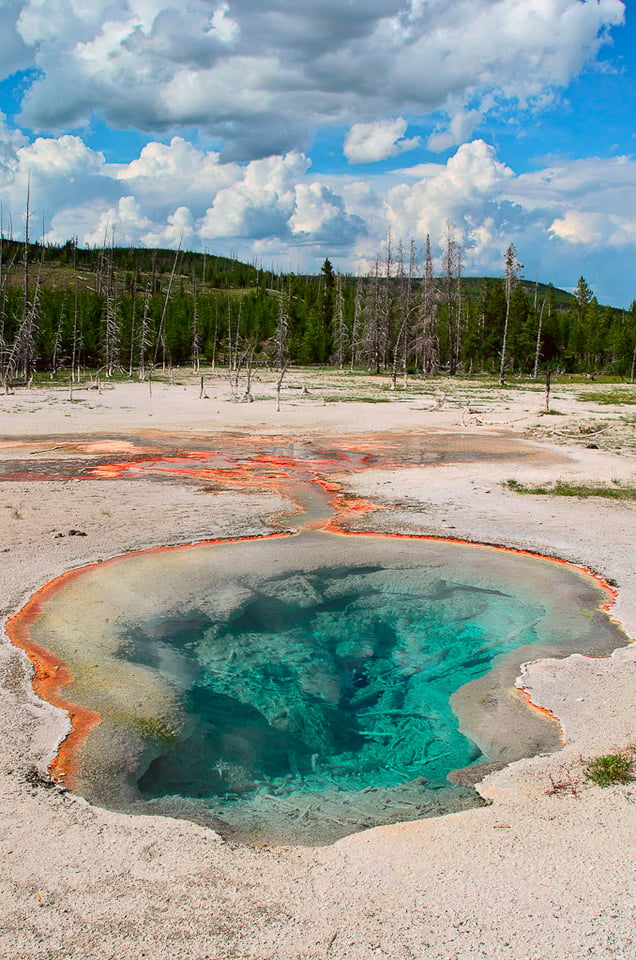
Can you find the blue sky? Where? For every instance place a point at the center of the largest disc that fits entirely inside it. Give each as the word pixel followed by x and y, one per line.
pixel 288 132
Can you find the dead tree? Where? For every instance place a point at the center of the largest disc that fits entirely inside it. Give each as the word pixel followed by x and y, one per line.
pixel 248 358
pixel 145 340
pixel 111 332
pixel 281 333
pixel 458 303
pixel 386 302
pixel 133 323
pixel 76 345
pixel 341 329
pixel 279 384
pixel 537 351
pixel 428 340
pixel 21 358
pixel 5 271
pixel 57 341
pixel 161 333
pixel 357 323
pixel 406 310
pixel 373 320
pixel 512 273
pixel 452 260
pixel 196 341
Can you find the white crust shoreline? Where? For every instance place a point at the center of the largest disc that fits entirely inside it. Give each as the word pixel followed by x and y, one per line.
pixel 537 874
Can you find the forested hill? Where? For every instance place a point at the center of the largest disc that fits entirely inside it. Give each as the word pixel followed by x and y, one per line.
pixel 65 308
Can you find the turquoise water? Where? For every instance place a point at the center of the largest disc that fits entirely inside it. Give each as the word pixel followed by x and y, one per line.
pixel 300 689
pixel 347 679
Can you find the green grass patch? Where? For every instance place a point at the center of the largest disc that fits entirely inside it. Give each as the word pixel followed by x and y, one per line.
pixel 608 396
pixel 563 488
pixel 611 768
pixel 339 398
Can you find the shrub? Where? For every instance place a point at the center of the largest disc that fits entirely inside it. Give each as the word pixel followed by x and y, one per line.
pixel 611 768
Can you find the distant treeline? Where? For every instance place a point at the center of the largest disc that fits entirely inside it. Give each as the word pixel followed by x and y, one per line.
pixel 64 308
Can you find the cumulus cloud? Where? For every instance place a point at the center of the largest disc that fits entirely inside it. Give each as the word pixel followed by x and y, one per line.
pixel 258 205
pixel 573 217
pixel 466 190
pixel 580 227
pixel 321 216
pixel 261 77
pixel 459 129
pixel 370 142
pixel 163 172
pixel 14 51
pixel 10 142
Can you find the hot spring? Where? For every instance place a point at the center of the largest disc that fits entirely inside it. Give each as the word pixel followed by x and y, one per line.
pixel 297 689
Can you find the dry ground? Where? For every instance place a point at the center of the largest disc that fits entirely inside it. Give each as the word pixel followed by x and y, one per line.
pixel 541 872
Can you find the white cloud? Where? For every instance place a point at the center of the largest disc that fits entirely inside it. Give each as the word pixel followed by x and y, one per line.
pixel 179 170
pixel 460 128
pixel 321 215
pixel 261 77
pixel 464 190
pixel 14 52
pixel 178 232
pixel 566 219
pixel 120 223
pixel 54 159
pixel 10 143
pixel 579 227
pixel 370 142
pixel 258 205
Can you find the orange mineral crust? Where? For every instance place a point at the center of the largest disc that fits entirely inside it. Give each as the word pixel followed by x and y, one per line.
pixel 51 674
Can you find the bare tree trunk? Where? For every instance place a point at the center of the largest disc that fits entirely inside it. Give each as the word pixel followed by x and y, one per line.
pixel 133 318
pixel 282 330
pixel 144 337
pixel 459 305
pixel 238 358
pixel 340 324
pixel 355 330
pixel 216 332
pixel 410 312
pixel 512 270
pixel 249 356
pixel 161 333
pixel 196 344
pixel 23 356
pixel 385 332
pixel 279 384
pixel 374 319
pixel 537 352
pixel 111 341
pixel 429 344
pixel 448 279
pixel 23 345
pixel 74 348
pixel 57 342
